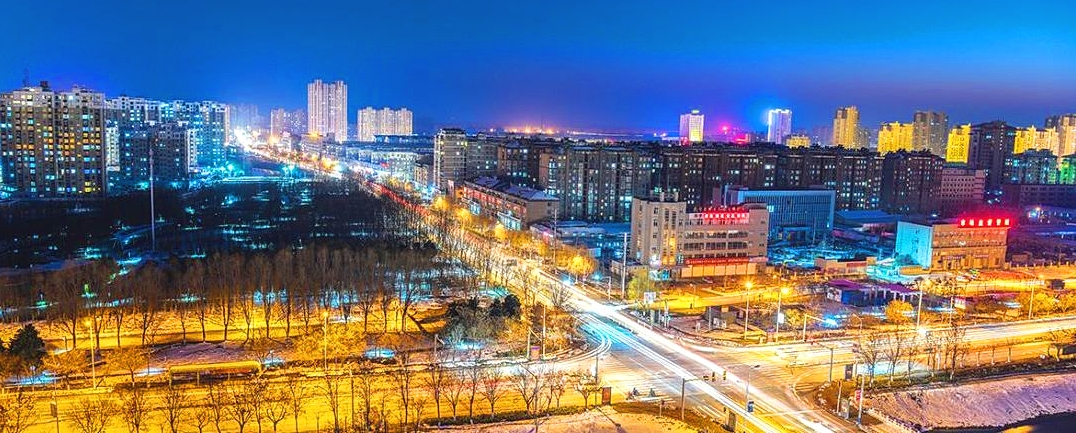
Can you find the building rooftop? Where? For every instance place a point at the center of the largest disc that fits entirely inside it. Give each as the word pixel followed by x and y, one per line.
pixel 523 192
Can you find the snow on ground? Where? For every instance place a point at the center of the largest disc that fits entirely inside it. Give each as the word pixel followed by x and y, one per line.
pixel 604 421
pixel 983 404
pixel 200 353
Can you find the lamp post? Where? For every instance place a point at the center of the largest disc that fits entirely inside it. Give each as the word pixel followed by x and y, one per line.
pixel 1031 302
pixel 777 319
pixel 747 309
pixel 919 308
pixel 747 387
pixel 325 340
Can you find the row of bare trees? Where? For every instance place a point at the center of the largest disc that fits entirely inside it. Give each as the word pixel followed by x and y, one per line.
pixel 246 292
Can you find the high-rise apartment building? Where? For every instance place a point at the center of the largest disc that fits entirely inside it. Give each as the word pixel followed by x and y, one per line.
pixel 386 121
pixel 1065 125
pixel 895 136
pixel 691 127
pixel 326 107
pixel 245 116
pixel 1032 138
pixel 931 130
pixel 169 148
pixel 278 118
pixel 52 144
pixel 956 148
pixel 778 125
pixel 989 144
pixel 210 122
pixel 909 182
pixel 457 157
pixel 1036 166
pixel 846 128
pixel 597 183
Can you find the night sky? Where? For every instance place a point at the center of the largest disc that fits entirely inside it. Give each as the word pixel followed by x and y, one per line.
pixel 585 64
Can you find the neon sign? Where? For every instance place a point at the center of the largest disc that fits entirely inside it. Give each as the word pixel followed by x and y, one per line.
pixel 984 222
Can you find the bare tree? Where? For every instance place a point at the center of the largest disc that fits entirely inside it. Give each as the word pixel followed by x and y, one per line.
pixel 893 345
pixel 455 384
pixel 133 408
pixel 954 343
pixel 556 385
pixel 173 406
pixel 436 380
pixel 870 351
pixel 66 364
pixel 529 381
pixel 17 412
pixel 127 360
pixel 586 385
pixel 218 400
pixel 330 391
pixel 92 415
pixel 296 394
pixel 241 404
pixel 276 406
pixel 201 419
pixel 473 378
pixel 493 387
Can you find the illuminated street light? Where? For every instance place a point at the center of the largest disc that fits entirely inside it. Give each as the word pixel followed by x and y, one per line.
pixel 777 320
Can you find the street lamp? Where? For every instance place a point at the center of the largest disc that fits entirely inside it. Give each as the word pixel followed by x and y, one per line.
pixel 777 320
pixel 325 340
pixel 747 309
pixel 919 309
pixel 747 388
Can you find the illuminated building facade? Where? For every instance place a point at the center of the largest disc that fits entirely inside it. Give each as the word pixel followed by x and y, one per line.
pixel 709 242
pixel 1031 166
pixel 954 244
pixel 930 132
pixel 173 155
pixel 1065 125
pixel 956 148
pixel 326 108
pixel 798 140
pixel 691 127
pixel 1032 138
pixel 846 127
pixel 512 206
pixel 895 136
pixel 796 216
pixel 386 121
pixel 52 144
pixel 778 125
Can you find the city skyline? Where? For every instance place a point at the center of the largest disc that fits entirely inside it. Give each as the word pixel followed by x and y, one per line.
pixel 583 79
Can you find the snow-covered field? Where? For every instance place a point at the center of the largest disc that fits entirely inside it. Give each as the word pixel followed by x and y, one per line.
pixel 983 404
pixel 606 421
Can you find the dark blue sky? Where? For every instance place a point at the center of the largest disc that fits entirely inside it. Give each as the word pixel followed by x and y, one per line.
pixel 595 64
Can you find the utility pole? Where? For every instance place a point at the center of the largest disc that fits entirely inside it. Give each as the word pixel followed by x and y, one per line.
pixel 152 211
pixel 624 267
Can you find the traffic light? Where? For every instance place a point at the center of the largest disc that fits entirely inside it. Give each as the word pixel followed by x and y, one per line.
pixel 713 376
pixel 725 375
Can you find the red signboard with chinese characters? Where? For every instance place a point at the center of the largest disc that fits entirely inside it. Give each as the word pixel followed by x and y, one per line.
pixel 984 222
